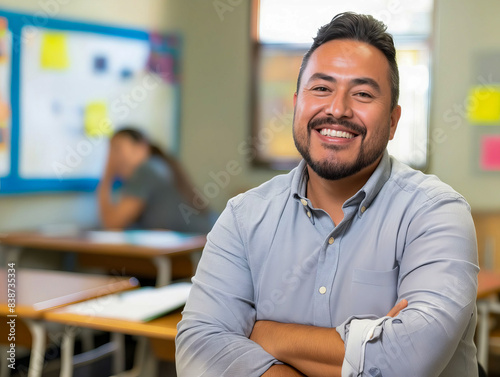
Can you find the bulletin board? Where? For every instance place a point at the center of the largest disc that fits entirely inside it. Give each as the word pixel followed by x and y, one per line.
pixel 66 86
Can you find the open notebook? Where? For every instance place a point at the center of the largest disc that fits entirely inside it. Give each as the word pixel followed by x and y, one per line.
pixel 141 305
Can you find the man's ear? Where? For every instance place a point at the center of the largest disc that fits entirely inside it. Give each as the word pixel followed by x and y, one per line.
pixel 395 115
pixel 294 99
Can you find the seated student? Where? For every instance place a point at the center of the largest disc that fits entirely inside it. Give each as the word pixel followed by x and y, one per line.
pixel 154 188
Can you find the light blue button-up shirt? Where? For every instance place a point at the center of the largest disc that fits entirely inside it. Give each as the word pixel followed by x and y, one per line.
pixel 273 256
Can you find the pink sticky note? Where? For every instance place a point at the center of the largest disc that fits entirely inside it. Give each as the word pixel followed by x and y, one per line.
pixel 490 152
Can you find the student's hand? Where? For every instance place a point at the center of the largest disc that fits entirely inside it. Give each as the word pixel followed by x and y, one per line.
pixel 111 165
pixel 397 308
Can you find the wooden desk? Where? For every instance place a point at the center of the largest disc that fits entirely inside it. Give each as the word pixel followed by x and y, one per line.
pixel 488 283
pixel 160 328
pixel 487 304
pixel 84 243
pixel 38 291
pixel 160 332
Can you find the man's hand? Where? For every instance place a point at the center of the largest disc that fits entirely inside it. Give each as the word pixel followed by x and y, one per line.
pixel 397 308
pixel 111 165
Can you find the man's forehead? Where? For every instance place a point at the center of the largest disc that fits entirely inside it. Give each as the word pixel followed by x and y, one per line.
pixel 347 55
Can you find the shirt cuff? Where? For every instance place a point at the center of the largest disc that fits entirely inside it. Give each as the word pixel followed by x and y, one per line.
pixel 356 332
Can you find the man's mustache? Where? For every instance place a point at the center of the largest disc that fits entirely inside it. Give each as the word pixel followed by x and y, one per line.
pixel 355 128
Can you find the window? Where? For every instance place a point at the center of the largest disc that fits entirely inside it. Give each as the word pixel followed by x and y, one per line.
pixel 283 31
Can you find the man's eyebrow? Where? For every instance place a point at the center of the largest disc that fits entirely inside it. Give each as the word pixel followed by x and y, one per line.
pixel 322 76
pixel 366 81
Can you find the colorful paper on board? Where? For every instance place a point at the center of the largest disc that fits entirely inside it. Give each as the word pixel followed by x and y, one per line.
pixel 490 153
pixel 4 113
pixel 484 105
pixel 96 119
pixel 3 40
pixel 54 52
pixel 100 64
pixel 3 26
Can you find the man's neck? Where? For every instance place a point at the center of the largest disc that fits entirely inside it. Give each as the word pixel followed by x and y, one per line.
pixel 331 195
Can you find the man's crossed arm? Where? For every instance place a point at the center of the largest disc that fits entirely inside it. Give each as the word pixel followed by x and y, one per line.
pixel 305 350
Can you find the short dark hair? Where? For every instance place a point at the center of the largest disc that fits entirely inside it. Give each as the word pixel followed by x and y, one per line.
pixel 362 28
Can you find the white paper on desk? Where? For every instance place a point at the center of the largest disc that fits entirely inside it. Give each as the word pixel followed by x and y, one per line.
pixel 149 238
pixel 107 237
pixel 141 305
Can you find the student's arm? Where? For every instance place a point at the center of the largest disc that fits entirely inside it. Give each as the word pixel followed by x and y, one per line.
pixel 316 351
pixel 438 277
pixel 116 215
pixel 213 336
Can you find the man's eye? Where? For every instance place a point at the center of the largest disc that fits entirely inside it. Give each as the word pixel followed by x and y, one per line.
pixel 320 89
pixel 364 94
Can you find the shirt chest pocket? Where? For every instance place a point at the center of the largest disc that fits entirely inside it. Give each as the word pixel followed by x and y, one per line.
pixel 373 292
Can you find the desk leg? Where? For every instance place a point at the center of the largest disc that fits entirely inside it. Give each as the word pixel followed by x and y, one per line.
pixel 39 340
pixel 164 270
pixel 67 352
pixel 119 354
pixel 195 259
pixel 4 364
pixel 10 254
pixel 483 334
pixel 145 363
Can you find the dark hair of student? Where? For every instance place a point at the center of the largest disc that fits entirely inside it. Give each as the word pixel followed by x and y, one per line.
pixel 182 181
pixel 362 28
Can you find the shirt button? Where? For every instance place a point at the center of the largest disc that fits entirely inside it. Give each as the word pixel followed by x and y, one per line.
pixel 363 209
pixel 303 201
pixel 331 240
pixel 309 214
pixel 322 290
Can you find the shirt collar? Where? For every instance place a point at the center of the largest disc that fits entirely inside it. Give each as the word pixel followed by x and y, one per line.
pixel 363 198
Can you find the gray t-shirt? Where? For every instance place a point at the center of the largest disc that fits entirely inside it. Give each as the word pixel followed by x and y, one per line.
pixel 153 183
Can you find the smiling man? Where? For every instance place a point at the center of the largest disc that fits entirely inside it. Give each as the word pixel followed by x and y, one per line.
pixel 353 264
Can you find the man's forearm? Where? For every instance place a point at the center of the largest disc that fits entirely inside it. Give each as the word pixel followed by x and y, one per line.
pixel 314 351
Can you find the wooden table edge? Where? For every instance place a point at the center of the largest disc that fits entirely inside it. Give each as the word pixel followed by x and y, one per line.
pixel 151 329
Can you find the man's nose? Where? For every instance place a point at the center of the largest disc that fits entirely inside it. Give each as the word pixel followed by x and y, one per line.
pixel 339 106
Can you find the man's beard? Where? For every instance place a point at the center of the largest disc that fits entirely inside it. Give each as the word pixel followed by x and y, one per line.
pixel 334 169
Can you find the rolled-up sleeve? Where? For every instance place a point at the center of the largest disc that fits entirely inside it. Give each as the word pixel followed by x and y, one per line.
pixel 438 277
pixel 213 336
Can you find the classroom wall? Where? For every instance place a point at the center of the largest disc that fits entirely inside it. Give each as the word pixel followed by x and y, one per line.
pixel 215 114
pixel 465 28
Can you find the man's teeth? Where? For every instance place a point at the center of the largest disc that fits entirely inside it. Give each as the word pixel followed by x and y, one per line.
pixel 334 133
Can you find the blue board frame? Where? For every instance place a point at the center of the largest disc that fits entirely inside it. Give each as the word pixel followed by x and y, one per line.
pixel 14 183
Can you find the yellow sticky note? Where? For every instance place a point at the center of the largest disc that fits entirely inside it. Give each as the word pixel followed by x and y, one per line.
pixel 54 52
pixel 96 119
pixel 484 105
